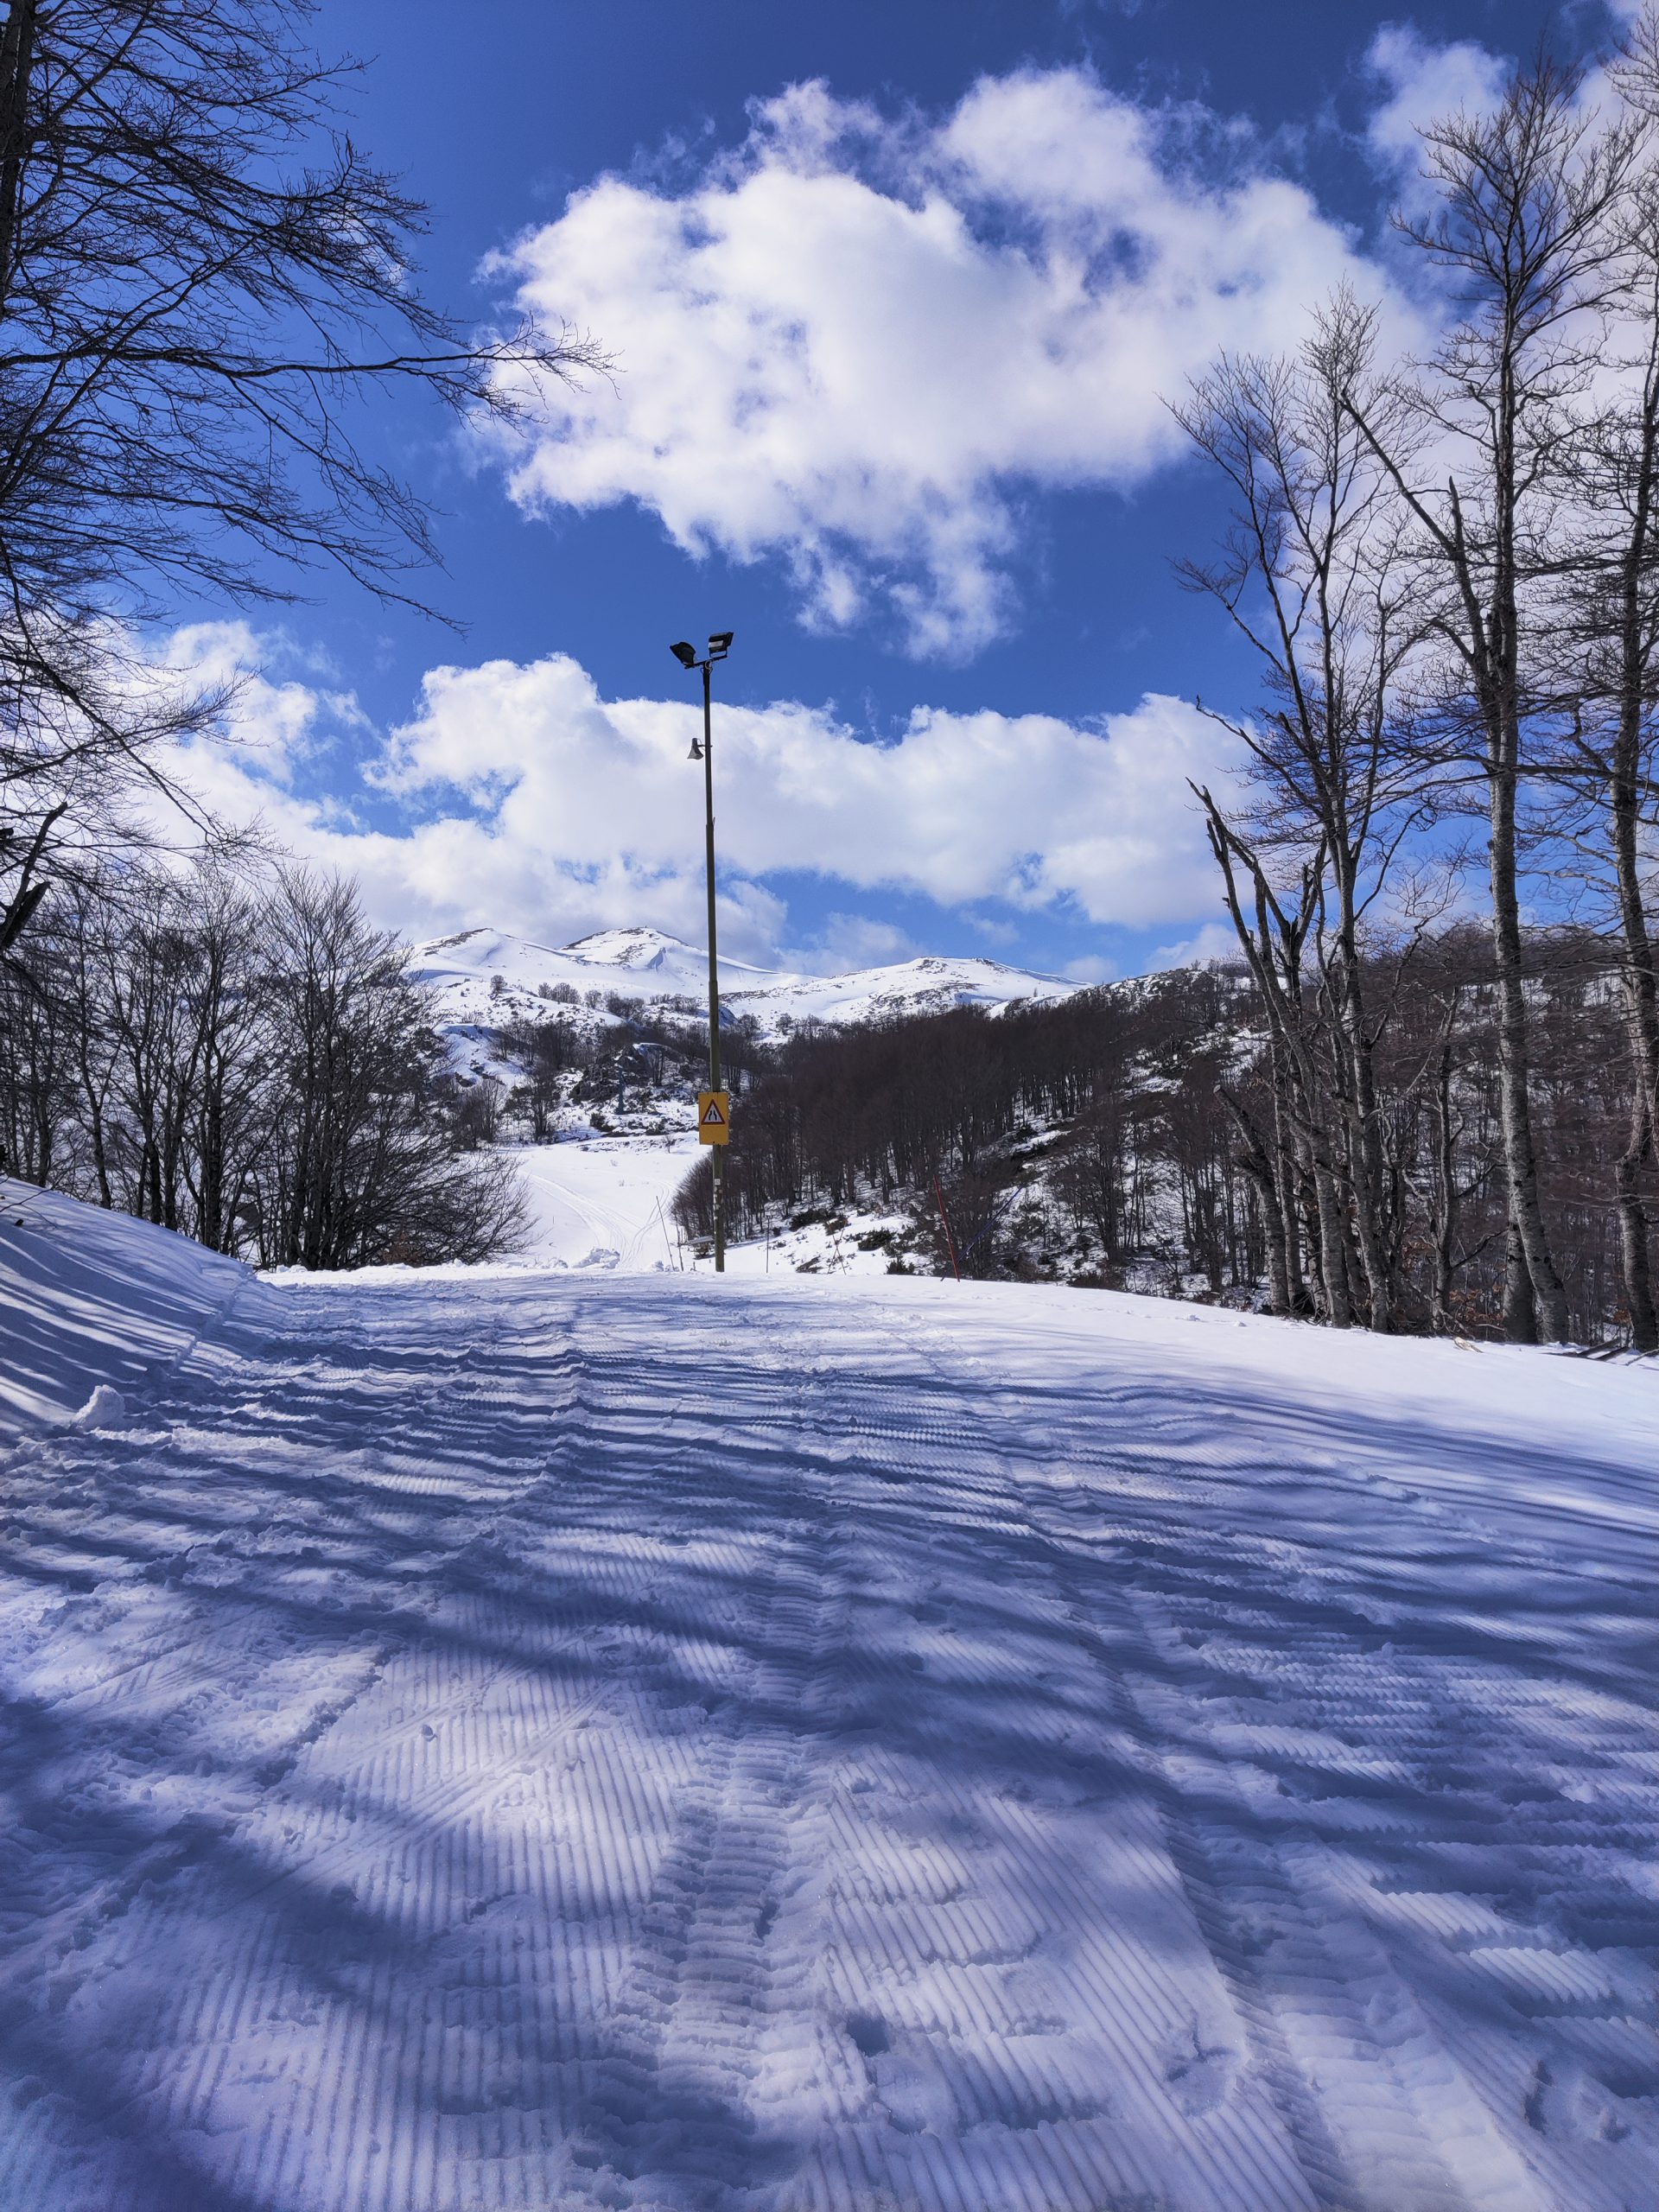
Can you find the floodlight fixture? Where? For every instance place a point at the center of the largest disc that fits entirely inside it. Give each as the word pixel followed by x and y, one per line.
pixel 720 644
pixel 686 655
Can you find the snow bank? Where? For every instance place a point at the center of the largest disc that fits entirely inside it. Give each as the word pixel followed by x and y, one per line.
pixel 94 1303
pixel 1553 1439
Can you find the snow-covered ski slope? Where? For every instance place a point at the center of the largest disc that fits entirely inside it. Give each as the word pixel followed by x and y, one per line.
pixel 605 1201
pixel 580 1741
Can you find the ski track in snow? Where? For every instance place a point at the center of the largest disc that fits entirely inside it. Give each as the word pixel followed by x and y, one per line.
pixel 604 1204
pixel 794 1748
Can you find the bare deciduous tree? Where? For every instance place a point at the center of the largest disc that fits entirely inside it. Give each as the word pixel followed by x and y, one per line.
pixel 243 1059
pixel 1528 229
pixel 1605 609
pixel 200 276
pixel 1309 575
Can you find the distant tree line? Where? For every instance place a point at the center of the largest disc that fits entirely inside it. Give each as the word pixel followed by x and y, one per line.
pixel 1137 1135
pixel 242 1056
pixel 1046 1127
pixel 644 1047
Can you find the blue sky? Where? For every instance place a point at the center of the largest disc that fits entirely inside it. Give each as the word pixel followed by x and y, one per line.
pixel 895 296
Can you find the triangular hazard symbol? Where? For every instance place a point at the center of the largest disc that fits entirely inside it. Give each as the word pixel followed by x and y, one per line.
pixel 714 1119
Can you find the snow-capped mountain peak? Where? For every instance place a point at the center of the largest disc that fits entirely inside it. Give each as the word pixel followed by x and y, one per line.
pixel 485 976
pixel 638 950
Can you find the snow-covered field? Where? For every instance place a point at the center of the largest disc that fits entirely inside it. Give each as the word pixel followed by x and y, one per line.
pixel 604 1202
pixel 592 1738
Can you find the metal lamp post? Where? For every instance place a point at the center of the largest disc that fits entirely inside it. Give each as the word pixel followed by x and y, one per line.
pixel 718 645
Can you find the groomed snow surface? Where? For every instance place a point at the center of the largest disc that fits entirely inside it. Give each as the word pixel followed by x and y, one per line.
pixel 588 1739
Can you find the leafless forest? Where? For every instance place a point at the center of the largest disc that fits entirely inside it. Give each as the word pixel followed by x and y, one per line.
pixel 1446 574
pixel 1136 1137
pixel 201 280
pixel 243 1057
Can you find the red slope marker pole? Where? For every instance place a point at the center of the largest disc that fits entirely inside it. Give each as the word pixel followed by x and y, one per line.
pixel 956 1264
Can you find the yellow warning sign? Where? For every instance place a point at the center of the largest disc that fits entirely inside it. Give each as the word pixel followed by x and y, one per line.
pixel 714 1116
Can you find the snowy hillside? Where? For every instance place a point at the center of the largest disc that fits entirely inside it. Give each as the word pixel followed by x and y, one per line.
pixel 482 977
pixel 604 1203
pixel 642 1741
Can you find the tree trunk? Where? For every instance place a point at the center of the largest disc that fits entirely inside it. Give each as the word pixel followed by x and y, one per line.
pixel 1442 1216
pixel 1256 1163
pixel 1642 1004
pixel 17 65
pixel 1365 1151
pixel 1542 1301
pixel 1296 1298
pixel 1625 800
pixel 1333 1250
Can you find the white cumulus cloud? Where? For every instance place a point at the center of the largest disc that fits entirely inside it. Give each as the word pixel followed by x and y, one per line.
pixel 850 344
pixel 1423 82
pixel 517 796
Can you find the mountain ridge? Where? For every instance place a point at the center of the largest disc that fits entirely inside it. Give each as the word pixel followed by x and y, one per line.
pixel 482 977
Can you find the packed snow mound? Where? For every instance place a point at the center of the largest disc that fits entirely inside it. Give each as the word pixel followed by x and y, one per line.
pixel 94 1304
pixel 484 976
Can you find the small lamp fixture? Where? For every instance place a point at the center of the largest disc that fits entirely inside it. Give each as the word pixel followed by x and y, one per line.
pixel 696 753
